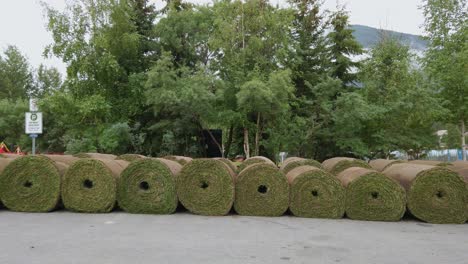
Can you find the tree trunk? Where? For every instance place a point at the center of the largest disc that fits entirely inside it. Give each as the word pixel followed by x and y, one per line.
pixel 257 136
pixel 246 143
pixel 229 141
pixel 463 143
pixel 216 142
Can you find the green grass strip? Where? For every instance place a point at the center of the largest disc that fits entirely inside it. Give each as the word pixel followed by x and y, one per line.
pixel 130 157
pixel 206 187
pixel 261 190
pixel 295 162
pixel 382 164
pixel 339 164
pixel 30 184
pixel 315 193
pixel 253 160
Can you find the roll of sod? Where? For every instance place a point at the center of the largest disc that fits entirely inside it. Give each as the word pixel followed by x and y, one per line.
pixel 67 159
pixel 382 164
pixel 431 162
pixel 339 164
pixel 130 157
pixel 95 156
pixel 206 187
pixel 253 160
pixel 90 185
pixel 261 190
pixel 180 159
pixel 434 194
pixel 315 193
pixel 30 184
pixel 231 164
pixel 372 196
pixel 4 162
pixel 147 186
pixel 11 155
pixel 292 163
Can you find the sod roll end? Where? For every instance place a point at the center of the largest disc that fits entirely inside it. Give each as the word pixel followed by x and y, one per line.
pixel 339 164
pixel 315 193
pixel 206 187
pixel 261 190
pixel 130 157
pixel 372 196
pixel 30 184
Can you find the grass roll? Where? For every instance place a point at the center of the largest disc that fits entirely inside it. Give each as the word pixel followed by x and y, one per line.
pixel 231 164
pixel 206 187
pixel 148 186
pixel 434 194
pixel 431 162
pixel 315 193
pixel 253 160
pixel 261 190
pixel 179 159
pixel 381 164
pixel 295 162
pixel 90 185
pixel 339 164
pixel 95 156
pixel 30 184
pixel 130 157
pixel 67 159
pixel 372 196
pixel 11 155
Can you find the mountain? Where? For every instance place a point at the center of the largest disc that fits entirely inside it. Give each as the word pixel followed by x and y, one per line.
pixel 369 36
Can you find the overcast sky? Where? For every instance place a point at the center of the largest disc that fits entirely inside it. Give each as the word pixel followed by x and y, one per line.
pixel 22 22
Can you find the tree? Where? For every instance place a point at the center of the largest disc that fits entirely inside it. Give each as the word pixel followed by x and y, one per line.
pixel 446 26
pixel 46 80
pixel 16 79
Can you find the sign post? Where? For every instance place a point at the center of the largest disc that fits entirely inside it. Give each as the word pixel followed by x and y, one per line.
pixel 33 123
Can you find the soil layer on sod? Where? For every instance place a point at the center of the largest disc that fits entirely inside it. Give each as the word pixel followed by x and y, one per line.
pixel 206 187
pixel 148 186
pixel 295 162
pixel 339 164
pixel 182 160
pixel 90 185
pixel 95 156
pixel 434 194
pixel 382 164
pixel 30 184
pixel 130 157
pixel 261 190
pixel 10 155
pixel 253 160
pixel 372 196
pixel 4 163
pixel 315 193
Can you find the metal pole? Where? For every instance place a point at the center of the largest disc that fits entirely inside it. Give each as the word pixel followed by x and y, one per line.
pixel 34 146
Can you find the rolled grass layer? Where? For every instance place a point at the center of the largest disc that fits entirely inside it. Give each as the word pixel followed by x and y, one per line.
pixel 67 159
pixel 315 193
pixel 180 159
pixel 372 196
pixel 339 164
pixel 231 164
pixel 261 190
pixel 130 157
pixel 295 162
pixel 381 164
pixel 206 187
pixel 90 185
pixel 431 162
pixel 148 186
pixel 434 194
pixel 253 160
pixel 95 156
pixel 30 184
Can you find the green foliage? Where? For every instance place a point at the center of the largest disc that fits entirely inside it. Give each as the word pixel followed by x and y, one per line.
pixel 115 139
pixel 16 79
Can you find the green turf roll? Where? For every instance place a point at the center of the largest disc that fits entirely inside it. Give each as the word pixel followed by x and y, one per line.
pixel 67 159
pixel 180 159
pixel 261 190
pixel 372 196
pixel 206 187
pixel 315 193
pixel 339 164
pixel 291 163
pixel 147 186
pixel 382 164
pixel 90 185
pixel 130 157
pixel 253 160
pixel 95 156
pixel 432 162
pixel 434 194
pixel 30 184
pixel 231 164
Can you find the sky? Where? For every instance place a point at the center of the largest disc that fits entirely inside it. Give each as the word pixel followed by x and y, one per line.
pixel 22 22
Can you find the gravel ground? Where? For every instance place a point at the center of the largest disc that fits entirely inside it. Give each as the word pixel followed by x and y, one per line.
pixel 65 237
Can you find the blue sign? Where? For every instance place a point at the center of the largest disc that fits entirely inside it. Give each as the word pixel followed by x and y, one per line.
pixel 33 135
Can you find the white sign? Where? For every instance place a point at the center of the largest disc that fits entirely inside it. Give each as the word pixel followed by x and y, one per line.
pixel 33 107
pixel 33 123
